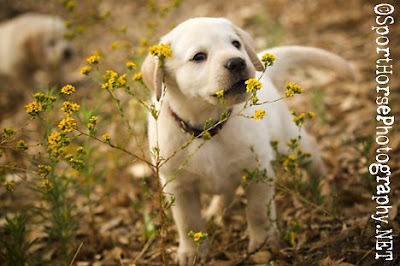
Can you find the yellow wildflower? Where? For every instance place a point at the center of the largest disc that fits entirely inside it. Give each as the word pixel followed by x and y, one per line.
pixel 130 65
pixel 310 114
pixel 8 132
pixel 54 138
pixel 137 76
pixel 110 79
pixel 68 89
pixel 85 70
pixel 46 185
pixel 197 236
pixel 292 88
pixel 94 59
pixel 259 114
pixel 244 178
pixel 39 96
pixel 122 80
pixel 114 45
pixel 70 5
pixel 268 59
pixel 21 145
pixel 44 170
pixel 106 137
pixel 67 124
pixel 220 93
pixel 161 51
pixel 253 85
pixel 206 135
pixel 92 123
pixel 9 185
pixel 55 144
pixel 69 107
pixel 144 42
pixel 299 119
pixel 290 161
pixel 33 108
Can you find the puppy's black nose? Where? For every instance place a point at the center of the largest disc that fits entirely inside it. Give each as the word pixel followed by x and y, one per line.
pixel 67 54
pixel 236 64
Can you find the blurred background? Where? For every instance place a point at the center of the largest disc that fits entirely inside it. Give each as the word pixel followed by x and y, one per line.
pixel 114 216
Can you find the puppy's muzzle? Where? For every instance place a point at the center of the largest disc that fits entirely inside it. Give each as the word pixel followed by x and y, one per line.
pixel 236 65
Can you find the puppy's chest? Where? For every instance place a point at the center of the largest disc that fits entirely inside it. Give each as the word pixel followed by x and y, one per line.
pixel 218 165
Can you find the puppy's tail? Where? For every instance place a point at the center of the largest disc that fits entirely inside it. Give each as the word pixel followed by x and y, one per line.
pixel 288 57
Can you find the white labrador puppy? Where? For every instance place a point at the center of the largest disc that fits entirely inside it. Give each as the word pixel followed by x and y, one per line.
pixel 209 55
pixel 33 42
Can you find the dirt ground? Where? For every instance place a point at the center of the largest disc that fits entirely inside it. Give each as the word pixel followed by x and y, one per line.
pixel 116 228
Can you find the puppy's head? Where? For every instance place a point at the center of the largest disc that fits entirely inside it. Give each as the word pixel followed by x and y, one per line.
pixel 209 55
pixel 45 42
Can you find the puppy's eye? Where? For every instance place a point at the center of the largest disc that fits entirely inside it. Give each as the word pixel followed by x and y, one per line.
pixel 199 57
pixel 236 44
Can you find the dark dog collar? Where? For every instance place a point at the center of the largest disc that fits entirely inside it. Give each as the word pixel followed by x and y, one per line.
pixel 197 133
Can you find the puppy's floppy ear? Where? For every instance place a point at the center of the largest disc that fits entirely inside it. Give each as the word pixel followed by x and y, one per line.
pixel 152 74
pixel 249 46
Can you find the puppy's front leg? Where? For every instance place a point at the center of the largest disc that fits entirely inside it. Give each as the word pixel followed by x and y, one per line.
pixel 187 216
pixel 261 214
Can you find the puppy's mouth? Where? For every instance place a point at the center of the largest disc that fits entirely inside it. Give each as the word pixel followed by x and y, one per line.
pixel 237 88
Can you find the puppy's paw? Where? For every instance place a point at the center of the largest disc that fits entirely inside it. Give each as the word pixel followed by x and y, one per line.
pixel 190 255
pixel 261 238
pixel 256 243
pixel 185 256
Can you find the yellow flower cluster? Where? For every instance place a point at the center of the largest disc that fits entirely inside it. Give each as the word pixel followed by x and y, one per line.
pixel 112 80
pixel 259 114
pixel 33 108
pixel 55 145
pixel 292 89
pixel 67 124
pixel 9 185
pixel 114 45
pixel 137 76
pixel 54 138
pixel 220 93
pixel 268 59
pixel 8 132
pixel 92 123
pixel 85 70
pixel 253 85
pixel 290 161
pixel 75 163
pixel 161 51
pixel 40 104
pixel 21 145
pixel 130 65
pixel 68 107
pixel 47 185
pixel 68 89
pixel 121 81
pixel 197 237
pixel 106 137
pixel 299 118
pixel 93 59
pixel 44 170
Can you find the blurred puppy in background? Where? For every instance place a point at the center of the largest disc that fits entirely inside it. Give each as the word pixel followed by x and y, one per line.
pixel 31 45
